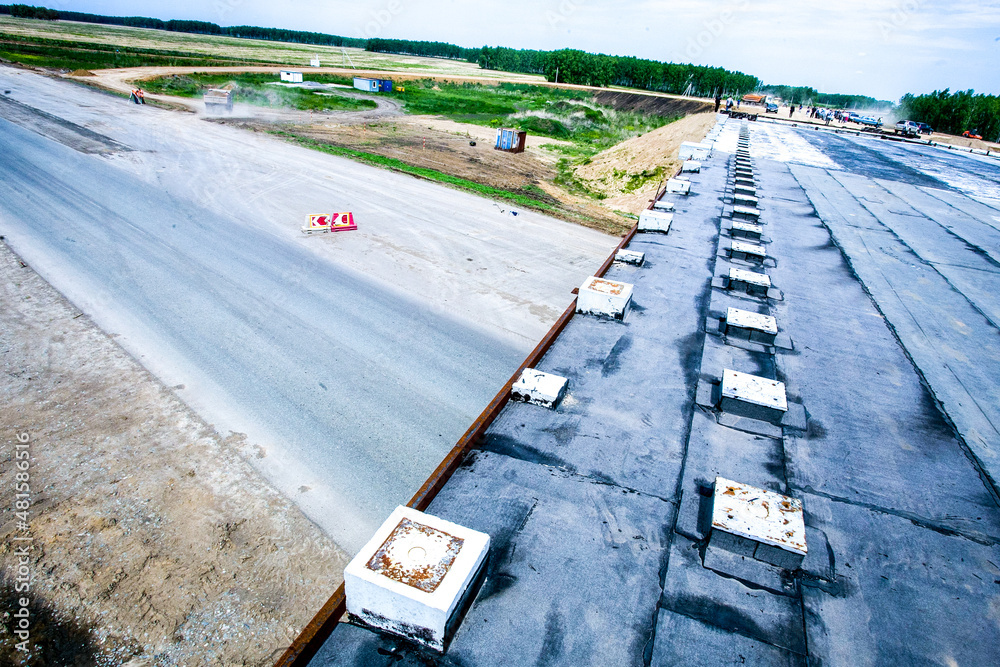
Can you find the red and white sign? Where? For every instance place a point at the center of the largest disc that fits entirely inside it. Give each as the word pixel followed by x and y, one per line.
pixel 330 222
pixel 342 222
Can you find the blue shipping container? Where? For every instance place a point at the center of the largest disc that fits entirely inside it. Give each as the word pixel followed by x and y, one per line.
pixel 511 141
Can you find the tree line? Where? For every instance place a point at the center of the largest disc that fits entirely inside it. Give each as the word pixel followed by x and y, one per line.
pixel 418 48
pixel 810 96
pixel 29 12
pixel 196 27
pixel 954 113
pixel 597 69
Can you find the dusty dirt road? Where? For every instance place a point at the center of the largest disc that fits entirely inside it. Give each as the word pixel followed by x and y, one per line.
pixel 153 540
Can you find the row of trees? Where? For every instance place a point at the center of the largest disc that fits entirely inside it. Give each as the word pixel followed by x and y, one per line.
pixel 810 96
pixel 954 113
pixel 29 12
pixel 196 27
pixel 294 36
pixel 596 69
pixel 419 48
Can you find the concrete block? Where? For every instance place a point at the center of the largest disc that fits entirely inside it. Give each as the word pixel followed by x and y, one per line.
pixel 745 181
pixel 705 394
pixel 795 417
pixel 751 282
pixel 691 166
pixel 746 568
pixel 744 199
pixel 751 326
pixel 746 212
pixel 604 298
pixel 749 425
pixel 678 186
pixel 736 544
pixel 690 150
pixel 748 252
pixel 414 576
pixel 753 396
pixel 630 257
pixel 745 189
pixel 655 221
pixel 539 388
pixel 779 557
pixel 663 205
pixel 776 523
pixel 746 230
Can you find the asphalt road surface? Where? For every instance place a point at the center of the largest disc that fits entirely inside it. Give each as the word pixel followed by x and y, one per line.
pixel 351 364
pixel 920 228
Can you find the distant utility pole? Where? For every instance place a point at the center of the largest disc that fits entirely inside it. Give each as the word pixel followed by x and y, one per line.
pixel 557 75
pixel 347 57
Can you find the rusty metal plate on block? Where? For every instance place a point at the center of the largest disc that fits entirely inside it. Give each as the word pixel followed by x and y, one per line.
pixel 412 576
pixel 416 555
pixel 604 298
pixel 760 515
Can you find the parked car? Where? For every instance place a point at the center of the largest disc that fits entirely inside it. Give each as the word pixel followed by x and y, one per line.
pixel 771 108
pixel 925 128
pixel 970 135
pixel 907 128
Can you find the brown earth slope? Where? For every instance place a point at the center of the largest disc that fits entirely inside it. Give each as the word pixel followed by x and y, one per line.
pixel 630 173
pixel 150 535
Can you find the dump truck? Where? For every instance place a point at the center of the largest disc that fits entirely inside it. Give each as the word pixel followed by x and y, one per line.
pixel 218 100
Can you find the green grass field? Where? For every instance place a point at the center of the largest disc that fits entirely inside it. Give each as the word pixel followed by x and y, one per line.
pixel 209 48
pixel 569 115
pixel 73 55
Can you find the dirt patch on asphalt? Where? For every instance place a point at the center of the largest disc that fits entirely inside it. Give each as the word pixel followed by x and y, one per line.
pixel 629 174
pixel 152 542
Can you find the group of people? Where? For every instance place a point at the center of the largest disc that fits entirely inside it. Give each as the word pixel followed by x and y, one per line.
pixel 729 103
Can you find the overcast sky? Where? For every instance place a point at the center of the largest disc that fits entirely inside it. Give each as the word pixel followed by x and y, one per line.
pixel 882 48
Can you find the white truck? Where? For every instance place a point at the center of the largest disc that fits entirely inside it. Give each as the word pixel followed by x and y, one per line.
pixel 907 128
pixel 218 100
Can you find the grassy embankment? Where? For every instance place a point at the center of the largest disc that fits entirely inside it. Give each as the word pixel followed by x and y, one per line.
pixel 584 127
pixel 258 89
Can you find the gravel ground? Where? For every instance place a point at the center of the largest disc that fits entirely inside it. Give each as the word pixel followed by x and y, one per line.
pixel 152 541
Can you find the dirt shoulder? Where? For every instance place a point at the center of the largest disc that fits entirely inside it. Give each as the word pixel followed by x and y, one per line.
pixel 153 542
